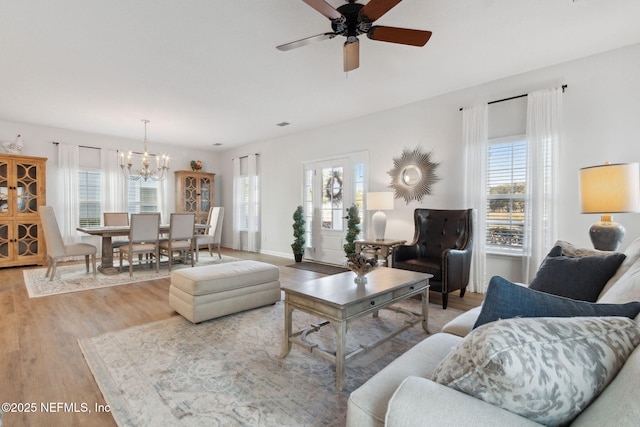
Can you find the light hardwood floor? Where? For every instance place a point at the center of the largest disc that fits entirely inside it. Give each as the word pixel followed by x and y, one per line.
pixel 41 362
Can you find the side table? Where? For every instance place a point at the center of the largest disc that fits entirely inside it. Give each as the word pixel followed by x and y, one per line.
pixel 380 248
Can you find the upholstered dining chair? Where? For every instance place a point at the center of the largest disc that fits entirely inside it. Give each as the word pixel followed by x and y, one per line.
pixel 442 245
pixel 213 234
pixel 181 238
pixel 143 239
pixel 116 219
pixel 56 248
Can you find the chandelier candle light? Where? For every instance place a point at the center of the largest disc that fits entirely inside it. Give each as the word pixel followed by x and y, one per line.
pixel 607 189
pixel 379 201
pixel 145 172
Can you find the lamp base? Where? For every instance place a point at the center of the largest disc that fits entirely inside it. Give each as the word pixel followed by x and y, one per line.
pixel 379 223
pixel 606 235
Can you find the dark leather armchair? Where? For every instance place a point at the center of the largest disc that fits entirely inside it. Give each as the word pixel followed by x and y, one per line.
pixel 441 246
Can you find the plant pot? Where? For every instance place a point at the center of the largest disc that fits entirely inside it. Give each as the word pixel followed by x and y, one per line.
pixel 298 257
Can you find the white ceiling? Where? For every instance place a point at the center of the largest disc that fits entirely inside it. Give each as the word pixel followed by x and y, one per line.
pixel 208 71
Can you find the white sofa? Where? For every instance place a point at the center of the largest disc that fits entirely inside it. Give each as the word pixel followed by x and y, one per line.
pixel 403 394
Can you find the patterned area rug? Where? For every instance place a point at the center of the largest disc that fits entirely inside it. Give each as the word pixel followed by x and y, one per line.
pixel 227 371
pixel 74 277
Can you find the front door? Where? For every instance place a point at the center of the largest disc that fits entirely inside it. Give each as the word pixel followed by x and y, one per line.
pixel 332 198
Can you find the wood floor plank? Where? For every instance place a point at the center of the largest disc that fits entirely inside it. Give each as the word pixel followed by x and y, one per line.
pixel 41 361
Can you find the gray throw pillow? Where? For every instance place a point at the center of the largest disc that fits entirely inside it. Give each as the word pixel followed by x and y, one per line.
pixel 544 369
pixel 580 278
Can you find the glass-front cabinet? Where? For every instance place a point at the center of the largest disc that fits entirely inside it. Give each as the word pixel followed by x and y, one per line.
pixel 22 190
pixel 194 193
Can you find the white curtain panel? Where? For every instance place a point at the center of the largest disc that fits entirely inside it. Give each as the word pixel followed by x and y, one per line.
pixel 475 140
pixel 544 124
pixel 114 183
pixel 67 200
pixel 237 197
pixel 163 201
pixel 253 237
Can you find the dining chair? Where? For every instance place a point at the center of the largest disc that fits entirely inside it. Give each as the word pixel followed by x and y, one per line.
pixel 213 234
pixel 116 219
pixel 180 240
pixel 56 248
pixel 143 239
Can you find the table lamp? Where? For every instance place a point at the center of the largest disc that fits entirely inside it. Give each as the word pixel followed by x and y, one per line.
pixel 607 189
pixel 379 201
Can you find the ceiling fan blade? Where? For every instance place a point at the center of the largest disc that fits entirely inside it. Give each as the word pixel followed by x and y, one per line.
pixel 399 35
pixel 376 8
pixel 304 42
pixel 324 8
pixel 351 53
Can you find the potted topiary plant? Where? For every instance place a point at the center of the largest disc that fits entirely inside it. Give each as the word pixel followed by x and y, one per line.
pixel 353 219
pixel 298 234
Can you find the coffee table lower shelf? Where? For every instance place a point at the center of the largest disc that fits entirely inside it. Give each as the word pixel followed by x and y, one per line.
pixel 326 299
pixel 299 337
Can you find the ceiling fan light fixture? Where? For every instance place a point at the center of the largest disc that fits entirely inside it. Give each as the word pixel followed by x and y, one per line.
pixel 353 19
pixel 351 54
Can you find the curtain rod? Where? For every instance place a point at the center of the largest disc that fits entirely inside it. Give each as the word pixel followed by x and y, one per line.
pixel 98 148
pixel 244 157
pixel 514 97
pixel 81 146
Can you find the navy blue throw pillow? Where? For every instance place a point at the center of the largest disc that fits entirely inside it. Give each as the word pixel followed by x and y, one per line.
pixel 506 300
pixel 580 278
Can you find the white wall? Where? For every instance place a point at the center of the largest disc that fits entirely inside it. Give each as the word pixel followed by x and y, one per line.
pixel 601 110
pixel 38 141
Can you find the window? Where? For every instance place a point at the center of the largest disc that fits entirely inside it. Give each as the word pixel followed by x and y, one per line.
pixel 143 196
pixel 332 203
pixel 506 190
pixel 245 201
pixel 358 195
pixel 308 206
pixel 90 193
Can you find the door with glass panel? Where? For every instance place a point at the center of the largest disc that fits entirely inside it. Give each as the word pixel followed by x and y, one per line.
pixel 331 195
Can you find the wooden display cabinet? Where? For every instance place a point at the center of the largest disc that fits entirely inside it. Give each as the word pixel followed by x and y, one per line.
pixel 194 193
pixel 22 190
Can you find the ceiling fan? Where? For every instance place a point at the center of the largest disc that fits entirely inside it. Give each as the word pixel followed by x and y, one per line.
pixel 353 19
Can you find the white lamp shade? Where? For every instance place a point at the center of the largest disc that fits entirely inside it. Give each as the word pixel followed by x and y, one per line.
pixel 380 201
pixel 610 188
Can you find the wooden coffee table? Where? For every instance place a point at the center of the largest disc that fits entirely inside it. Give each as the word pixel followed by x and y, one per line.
pixel 339 300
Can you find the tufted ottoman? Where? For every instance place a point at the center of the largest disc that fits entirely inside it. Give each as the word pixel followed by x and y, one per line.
pixel 207 292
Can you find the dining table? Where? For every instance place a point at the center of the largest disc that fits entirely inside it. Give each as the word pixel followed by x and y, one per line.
pixel 106 234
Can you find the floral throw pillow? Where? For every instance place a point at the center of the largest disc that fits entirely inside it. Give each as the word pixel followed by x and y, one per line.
pixel 544 369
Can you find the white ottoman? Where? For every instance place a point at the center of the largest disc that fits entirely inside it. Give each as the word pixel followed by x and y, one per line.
pixel 207 292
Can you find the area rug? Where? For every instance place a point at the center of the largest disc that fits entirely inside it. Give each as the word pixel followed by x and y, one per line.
pixel 227 371
pixel 318 267
pixel 74 277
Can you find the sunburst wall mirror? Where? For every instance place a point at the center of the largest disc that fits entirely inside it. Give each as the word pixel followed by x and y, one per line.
pixel 413 175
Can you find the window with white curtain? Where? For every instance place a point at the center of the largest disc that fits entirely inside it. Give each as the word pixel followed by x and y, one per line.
pixel 143 196
pixel 506 189
pixel 246 203
pixel 90 196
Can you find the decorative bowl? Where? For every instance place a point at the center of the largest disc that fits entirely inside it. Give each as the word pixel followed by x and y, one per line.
pixel 361 265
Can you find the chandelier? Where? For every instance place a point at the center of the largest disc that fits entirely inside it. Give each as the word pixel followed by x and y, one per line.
pixel 145 171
